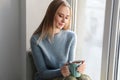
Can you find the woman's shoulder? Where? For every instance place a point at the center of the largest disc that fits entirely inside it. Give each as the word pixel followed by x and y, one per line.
pixel 34 37
pixel 70 33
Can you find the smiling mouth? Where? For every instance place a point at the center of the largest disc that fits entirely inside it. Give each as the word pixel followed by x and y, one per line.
pixel 61 24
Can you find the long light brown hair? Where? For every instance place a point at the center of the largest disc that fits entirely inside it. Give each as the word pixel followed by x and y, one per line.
pixel 46 28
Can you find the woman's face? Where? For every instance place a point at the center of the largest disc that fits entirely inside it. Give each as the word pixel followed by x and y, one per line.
pixel 62 17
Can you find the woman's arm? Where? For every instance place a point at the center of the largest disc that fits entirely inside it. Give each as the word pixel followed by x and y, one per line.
pixel 40 63
pixel 72 48
pixel 81 68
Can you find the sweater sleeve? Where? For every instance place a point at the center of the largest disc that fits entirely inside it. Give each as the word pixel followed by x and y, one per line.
pixel 38 58
pixel 72 48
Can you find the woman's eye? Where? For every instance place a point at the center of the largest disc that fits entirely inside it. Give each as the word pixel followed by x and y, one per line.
pixel 66 18
pixel 60 16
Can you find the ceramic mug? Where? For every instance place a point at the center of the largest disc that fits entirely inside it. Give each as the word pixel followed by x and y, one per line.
pixel 73 69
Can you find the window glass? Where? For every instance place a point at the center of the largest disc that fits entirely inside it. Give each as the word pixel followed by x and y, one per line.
pixel 89 29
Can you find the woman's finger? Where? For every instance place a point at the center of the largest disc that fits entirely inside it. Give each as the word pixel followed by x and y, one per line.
pixel 65 71
pixel 81 68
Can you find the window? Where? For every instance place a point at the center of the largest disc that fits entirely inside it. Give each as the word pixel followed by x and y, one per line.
pixel 90 29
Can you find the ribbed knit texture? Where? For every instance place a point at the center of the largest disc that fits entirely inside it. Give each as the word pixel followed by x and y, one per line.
pixel 49 57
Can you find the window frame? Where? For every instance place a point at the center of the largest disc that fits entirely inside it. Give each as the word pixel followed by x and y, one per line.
pixel 110 41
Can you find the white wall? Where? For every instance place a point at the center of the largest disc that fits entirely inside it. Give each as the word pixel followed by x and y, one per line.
pixel 35 11
pixel 23 37
pixel 11 59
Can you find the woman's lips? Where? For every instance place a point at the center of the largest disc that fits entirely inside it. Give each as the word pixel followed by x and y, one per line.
pixel 61 24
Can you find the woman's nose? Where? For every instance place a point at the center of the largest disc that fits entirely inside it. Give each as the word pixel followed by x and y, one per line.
pixel 63 20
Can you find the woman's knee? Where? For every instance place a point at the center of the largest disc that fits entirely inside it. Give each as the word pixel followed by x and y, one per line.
pixel 70 78
pixel 84 77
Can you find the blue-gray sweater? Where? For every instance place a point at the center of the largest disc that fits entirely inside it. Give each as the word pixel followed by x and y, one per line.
pixel 49 57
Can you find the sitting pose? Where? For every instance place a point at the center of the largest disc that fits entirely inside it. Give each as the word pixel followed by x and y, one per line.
pixel 53 44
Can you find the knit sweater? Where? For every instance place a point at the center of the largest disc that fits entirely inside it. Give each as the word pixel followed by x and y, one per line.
pixel 49 57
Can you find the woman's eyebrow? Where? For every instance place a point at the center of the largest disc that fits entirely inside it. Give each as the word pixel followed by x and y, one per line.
pixel 63 14
pixel 60 13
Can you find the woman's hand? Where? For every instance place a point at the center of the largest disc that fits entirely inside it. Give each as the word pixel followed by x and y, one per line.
pixel 81 68
pixel 65 71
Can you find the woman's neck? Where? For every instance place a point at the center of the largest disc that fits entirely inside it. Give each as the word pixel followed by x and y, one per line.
pixel 57 31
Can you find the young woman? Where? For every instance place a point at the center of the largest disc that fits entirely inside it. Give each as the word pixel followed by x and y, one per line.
pixel 53 44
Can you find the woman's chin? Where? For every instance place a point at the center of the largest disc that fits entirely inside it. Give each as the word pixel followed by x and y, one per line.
pixel 60 27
